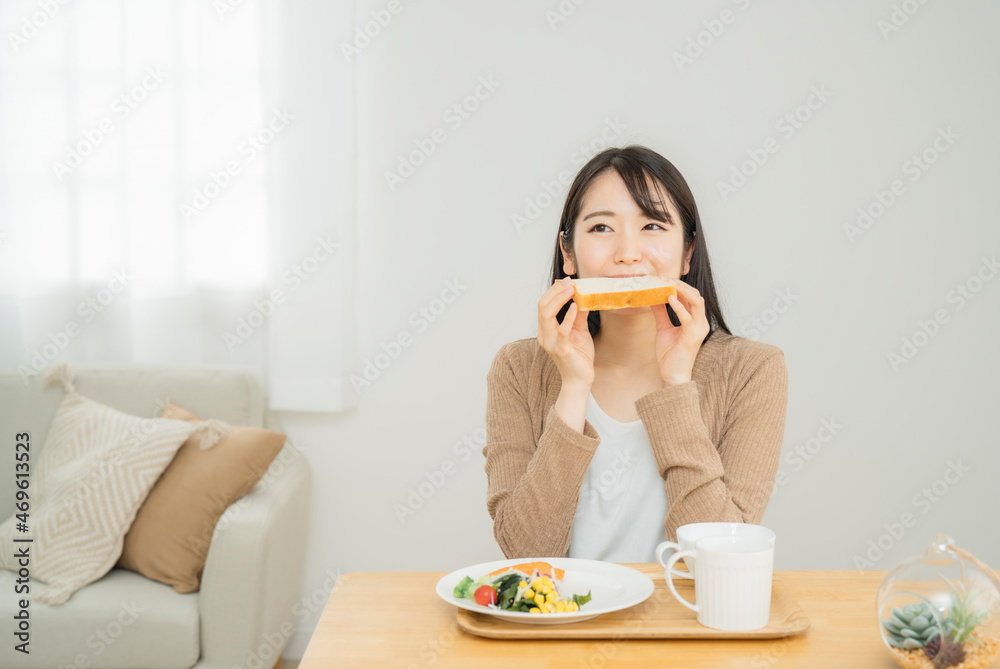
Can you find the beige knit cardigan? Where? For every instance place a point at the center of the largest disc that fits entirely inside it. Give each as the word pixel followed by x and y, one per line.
pixel 716 440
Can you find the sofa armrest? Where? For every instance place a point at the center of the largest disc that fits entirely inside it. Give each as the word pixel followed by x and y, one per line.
pixel 253 573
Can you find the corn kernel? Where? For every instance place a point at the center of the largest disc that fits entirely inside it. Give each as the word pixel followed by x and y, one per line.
pixel 539 599
pixel 529 594
pixel 550 597
pixel 548 607
pixel 534 609
pixel 522 584
pixel 560 607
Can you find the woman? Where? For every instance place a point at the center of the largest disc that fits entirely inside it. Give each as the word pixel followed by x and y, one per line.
pixel 611 429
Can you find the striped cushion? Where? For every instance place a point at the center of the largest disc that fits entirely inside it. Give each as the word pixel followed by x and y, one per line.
pixel 96 469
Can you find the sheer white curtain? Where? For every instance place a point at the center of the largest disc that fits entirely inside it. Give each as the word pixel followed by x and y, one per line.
pixel 177 185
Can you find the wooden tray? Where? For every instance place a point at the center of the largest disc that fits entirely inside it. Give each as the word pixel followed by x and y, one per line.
pixel 659 617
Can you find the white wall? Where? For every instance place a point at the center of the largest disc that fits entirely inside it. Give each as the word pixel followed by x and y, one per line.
pixel 782 232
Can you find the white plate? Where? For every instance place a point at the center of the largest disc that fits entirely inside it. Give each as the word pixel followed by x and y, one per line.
pixel 612 587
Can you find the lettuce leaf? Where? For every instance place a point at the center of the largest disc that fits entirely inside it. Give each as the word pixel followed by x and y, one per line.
pixel 522 605
pixel 507 587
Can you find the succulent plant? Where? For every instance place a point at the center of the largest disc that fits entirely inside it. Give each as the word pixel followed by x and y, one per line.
pixel 912 626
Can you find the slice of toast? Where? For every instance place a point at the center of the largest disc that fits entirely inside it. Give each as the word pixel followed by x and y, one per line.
pixel 595 294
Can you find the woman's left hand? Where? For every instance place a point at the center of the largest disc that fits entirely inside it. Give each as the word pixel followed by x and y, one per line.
pixel 677 347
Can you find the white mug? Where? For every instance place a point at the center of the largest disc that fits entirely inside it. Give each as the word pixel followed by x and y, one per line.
pixel 733 585
pixel 688 534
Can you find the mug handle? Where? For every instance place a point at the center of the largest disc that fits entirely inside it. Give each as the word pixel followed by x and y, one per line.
pixel 670 563
pixel 659 558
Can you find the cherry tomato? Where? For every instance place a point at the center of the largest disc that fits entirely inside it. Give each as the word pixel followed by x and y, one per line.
pixel 486 595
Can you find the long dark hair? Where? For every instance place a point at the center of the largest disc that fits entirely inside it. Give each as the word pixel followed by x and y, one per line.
pixel 634 164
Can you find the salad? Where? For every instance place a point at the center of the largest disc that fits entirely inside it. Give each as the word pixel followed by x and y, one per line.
pixel 531 587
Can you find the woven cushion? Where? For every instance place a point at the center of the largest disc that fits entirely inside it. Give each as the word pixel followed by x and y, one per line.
pixel 96 468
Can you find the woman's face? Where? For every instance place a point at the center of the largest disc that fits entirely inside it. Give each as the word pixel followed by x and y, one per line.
pixel 612 236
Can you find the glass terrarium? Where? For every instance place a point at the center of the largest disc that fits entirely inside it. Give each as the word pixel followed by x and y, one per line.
pixel 941 609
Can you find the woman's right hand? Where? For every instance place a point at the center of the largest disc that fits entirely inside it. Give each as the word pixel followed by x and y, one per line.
pixel 569 343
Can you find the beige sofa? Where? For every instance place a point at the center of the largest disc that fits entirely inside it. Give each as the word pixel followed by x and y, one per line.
pixel 243 615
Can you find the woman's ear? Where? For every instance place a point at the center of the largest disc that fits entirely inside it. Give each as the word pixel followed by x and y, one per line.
pixel 687 257
pixel 569 267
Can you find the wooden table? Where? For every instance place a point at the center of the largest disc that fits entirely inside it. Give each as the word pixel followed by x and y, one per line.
pixel 395 619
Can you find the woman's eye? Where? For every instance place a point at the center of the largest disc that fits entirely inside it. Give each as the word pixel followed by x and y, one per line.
pixel 602 225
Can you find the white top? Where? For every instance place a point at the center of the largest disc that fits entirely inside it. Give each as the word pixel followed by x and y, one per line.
pixel 619 517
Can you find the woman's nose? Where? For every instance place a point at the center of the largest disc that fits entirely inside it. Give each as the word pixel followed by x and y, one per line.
pixel 628 248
